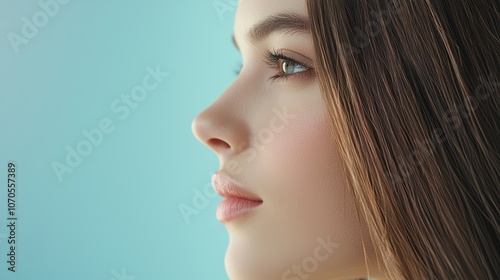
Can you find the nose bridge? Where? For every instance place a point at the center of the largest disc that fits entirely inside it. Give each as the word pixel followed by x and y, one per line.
pixel 223 125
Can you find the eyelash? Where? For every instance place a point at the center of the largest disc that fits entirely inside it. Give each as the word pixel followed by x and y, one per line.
pixel 275 60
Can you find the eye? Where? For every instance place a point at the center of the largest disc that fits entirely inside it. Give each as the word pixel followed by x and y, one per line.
pixel 285 66
pixel 289 67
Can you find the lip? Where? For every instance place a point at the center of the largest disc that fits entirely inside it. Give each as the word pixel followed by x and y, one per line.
pixel 237 200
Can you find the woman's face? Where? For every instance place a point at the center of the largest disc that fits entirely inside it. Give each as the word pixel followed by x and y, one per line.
pixel 273 137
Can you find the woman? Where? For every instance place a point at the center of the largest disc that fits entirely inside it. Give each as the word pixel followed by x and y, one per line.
pixel 361 139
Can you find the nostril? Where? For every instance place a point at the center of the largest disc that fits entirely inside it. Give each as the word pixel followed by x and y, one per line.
pixel 217 144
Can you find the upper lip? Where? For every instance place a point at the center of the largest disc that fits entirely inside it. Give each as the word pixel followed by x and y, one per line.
pixel 227 187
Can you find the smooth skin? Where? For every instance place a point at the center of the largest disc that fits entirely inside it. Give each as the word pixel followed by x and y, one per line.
pixel 275 140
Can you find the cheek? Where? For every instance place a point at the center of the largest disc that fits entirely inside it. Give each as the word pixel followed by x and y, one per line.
pixel 306 169
pixel 307 195
pixel 299 175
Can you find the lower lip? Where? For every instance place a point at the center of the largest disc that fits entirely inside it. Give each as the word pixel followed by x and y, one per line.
pixel 231 208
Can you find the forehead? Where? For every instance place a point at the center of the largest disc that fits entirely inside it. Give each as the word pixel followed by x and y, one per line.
pixel 250 12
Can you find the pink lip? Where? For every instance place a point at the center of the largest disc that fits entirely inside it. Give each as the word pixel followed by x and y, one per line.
pixel 237 201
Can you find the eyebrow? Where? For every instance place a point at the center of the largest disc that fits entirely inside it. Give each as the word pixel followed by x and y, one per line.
pixel 286 23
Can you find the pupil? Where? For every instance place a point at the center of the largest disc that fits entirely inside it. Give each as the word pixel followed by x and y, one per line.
pixel 287 67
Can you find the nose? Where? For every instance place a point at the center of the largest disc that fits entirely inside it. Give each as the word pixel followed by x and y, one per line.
pixel 222 127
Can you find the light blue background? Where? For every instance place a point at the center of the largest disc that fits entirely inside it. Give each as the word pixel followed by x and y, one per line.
pixel 117 214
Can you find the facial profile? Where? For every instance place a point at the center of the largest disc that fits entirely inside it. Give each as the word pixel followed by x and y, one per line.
pixel 271 134
pixel 360 140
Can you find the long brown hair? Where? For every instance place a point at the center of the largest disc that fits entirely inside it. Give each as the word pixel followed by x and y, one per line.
pixel 412 87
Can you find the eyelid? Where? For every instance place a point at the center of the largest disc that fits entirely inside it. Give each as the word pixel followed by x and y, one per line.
pixel 276 57
pixel 292 57
pixel 305 61
pixel 271 58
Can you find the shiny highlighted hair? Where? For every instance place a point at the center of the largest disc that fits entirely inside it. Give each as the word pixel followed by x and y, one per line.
pixel 412 88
